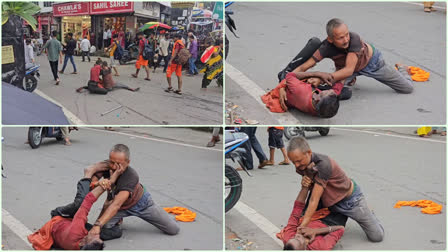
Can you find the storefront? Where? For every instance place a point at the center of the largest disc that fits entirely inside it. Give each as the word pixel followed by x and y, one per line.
pixel 74 18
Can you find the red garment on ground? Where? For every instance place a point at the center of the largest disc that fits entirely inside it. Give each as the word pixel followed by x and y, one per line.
pixel 320 242
pixel 95 73
pixel 68 233
pixel 42 239
pixel 298 93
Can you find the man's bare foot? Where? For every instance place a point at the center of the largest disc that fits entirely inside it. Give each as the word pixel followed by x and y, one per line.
pixel 399 65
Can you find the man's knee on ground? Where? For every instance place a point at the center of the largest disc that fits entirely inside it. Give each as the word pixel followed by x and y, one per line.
pixel 172 229
pixel 407 90
pixel 376 236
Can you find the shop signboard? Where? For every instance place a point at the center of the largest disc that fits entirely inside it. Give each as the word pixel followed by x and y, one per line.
pixel 71 9
pixel 97 8
pixel 218 11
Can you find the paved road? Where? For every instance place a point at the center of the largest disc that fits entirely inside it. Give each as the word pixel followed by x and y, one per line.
pixel 389 165
pixel 176 172
pixel 149 106
pixel 271 34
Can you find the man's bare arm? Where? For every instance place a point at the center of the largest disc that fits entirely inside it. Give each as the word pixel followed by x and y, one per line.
pixel 305 66
pixel 113 208
pixel 312 206
pixel 347 71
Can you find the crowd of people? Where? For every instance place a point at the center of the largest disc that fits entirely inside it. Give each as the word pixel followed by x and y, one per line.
pixel 176 49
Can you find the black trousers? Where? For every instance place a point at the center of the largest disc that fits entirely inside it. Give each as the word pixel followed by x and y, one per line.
pixel 85 54
pixel 69 210
pixel 54 69
pixel 311 46
pixel 166 59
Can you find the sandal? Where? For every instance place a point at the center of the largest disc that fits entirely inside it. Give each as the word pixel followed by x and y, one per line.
pixel 148 79
pixel 169 89
pixel 178 92
pixel 283 163
pixel 134 75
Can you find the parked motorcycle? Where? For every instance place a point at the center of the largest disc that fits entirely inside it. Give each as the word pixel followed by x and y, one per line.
pixel 32 76
pixel 30 80
pixel 233 181
pixel 37 134
pixel 291 132
pixel 131 53
pixel 231 25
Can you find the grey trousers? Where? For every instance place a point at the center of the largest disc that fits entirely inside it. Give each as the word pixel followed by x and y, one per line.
pixel 400 80
pixel 146 210
pixel 356 208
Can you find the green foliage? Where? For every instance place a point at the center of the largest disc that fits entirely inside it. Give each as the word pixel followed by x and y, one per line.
pixel 24 10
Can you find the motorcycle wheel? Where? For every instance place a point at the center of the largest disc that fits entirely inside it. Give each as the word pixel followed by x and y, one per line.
pixel 227 47
pixel 291 132
pixel 30 83
pixel 233 187
pixel 59 138
pixel 122 62
pixel 324 131
pixel 34 137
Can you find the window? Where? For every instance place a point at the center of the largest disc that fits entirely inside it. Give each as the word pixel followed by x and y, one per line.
pixel 36 3
pixel 48 4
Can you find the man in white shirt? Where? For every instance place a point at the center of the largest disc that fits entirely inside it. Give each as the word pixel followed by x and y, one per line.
pixel 85 48
pixel 163 52
pixel 105 45
pixel 29 54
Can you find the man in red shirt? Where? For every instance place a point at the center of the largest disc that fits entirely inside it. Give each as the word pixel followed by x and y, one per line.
pixel 140 61
pixel 305 96
pixel 174 66
pixel 67 228
pixel 323 232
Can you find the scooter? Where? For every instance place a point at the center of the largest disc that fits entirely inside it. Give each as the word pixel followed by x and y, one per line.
pixel 32 76
pixel 28 83
pixel 291 132
pixel 131 53
pixel 233 181
pixel 231 25
pixel 37 134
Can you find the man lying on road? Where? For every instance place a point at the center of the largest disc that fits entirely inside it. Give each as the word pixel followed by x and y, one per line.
pixel 128 198
pixel 332 186
pixel 68 227
pixel 300 91
pixel 352 57
pixel 324 231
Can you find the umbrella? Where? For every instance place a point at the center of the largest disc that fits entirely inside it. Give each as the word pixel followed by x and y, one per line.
pixel 20 107
pixel 153 25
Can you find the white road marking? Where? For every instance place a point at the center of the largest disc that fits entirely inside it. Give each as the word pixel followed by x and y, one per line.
pixel 390 135
pixel 256 92
pixel 155 139
pixel 420 4
pixel 16 226
pixel 70 116
pixel 259 220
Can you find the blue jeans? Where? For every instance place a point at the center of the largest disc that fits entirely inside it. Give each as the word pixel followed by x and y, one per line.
pixel 71 60
pixel 400 80
pixel 355 207
pixel 193 68
pixel 252 144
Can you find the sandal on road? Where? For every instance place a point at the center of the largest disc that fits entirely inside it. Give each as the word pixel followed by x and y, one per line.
pixel 148 79
pixel 134 75
pixel 169 89
pixel 178 92
pixel 283 163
